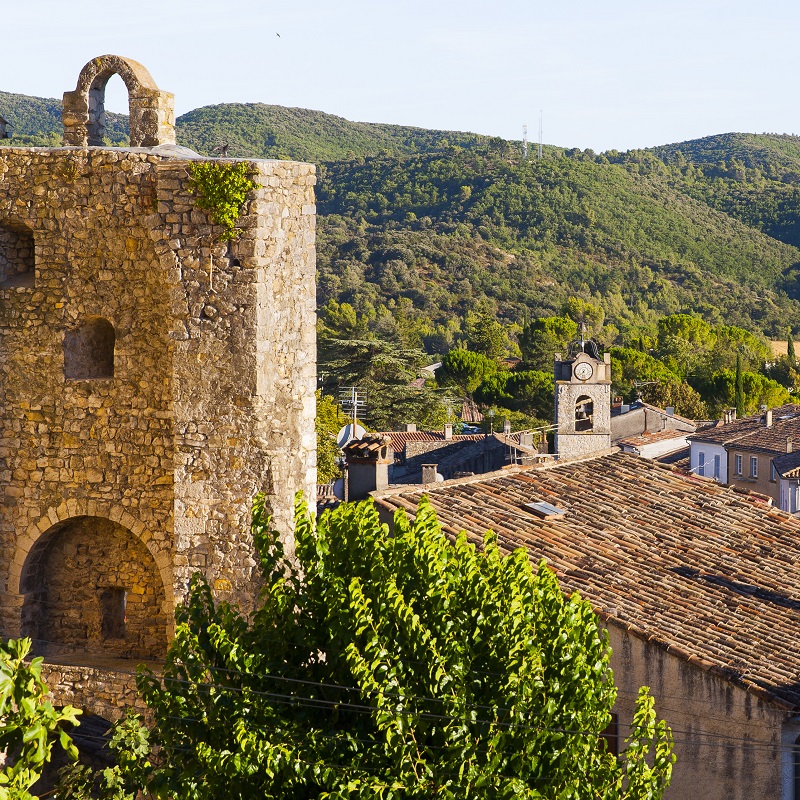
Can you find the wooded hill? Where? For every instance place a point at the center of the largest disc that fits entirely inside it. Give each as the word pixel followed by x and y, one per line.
pixel 418 229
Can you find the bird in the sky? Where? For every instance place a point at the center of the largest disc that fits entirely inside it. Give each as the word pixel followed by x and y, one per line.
pixel 278 35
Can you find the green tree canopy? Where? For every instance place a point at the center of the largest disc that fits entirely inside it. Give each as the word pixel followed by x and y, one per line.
pixel 542 338
pixel 528 391
pixel 465 370
pixel 757 390
pixel 29 724
pixel 485 335
pixel 395 664
pixel 581 311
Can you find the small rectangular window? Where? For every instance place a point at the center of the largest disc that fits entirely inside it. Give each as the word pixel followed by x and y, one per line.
pixel 701 463
pixel 738 467
pixel 773 473
pixel 610 735
pixel 717 467
pixel 113 602
pixel 753 466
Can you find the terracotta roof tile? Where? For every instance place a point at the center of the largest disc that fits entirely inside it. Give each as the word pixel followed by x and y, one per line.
pixel 785 420
pixel 650 438
pixel 708 572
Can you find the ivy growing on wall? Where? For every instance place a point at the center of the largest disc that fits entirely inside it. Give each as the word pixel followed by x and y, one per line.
pixel 221 189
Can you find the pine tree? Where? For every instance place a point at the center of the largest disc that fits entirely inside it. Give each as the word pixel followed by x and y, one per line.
pixel 790 349
pixel 739 388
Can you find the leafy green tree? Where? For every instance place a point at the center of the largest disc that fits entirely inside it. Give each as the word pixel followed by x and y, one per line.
pixel 29 724
pixel 395 664
pixel 719 391
pixel 465 370
pixel 731 341
pixel 738 388
pixel 385 371
pixel 131 748
pixel 329 421
pixel 581 311
pixel 485 335
pixel 528 391
pixel 683 398
pixel 542 338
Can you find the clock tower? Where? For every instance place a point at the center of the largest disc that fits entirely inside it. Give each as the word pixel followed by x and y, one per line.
pixel 582 401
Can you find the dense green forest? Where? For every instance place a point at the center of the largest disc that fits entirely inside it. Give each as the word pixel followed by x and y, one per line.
pixel 436 242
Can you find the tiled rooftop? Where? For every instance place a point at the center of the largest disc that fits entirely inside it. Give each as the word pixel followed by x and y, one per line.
pixel 754 432
pixel 651 438
pixel 707 571
pixel 400 438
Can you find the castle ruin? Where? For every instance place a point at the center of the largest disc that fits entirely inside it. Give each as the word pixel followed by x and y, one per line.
pixel 153 379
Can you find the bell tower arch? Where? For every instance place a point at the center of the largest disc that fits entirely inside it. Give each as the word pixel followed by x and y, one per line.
pixel 152 112
pixel 582 400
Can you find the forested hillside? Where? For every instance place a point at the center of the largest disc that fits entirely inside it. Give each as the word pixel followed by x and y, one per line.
pixel 455 228
pixel 683 257
pixel 256 129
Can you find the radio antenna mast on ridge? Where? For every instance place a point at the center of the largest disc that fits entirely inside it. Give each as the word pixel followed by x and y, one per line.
pixel 540 134
pixel 524 142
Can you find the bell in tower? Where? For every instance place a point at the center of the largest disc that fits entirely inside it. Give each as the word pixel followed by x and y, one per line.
pixel 582 400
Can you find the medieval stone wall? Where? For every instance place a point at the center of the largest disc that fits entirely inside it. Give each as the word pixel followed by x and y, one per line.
pixel 210 397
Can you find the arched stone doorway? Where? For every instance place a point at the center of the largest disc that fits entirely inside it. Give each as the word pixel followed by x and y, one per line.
pixel 152 112
pixel 90 586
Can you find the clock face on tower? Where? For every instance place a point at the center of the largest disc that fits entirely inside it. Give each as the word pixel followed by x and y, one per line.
pixel 583 371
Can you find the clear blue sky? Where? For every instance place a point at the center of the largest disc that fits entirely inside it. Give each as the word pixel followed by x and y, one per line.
pixel 606 73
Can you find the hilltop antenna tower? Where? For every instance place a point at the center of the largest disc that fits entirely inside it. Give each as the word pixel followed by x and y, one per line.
pixel 540 134
pixel 524 142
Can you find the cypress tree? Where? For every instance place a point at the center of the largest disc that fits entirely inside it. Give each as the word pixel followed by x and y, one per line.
pixel 790 349
pixel 738 397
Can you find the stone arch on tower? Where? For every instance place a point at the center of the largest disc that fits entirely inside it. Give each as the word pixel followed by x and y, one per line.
pixel 88 576
pixel 152 112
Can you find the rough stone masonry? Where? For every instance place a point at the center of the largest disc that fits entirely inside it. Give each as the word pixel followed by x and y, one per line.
pixel 153 379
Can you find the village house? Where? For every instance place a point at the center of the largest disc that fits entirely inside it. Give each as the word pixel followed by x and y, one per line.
pixel 696 585
pixel 754 453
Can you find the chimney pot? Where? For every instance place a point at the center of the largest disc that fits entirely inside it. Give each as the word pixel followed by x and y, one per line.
pixel 788 445
pixel 411 427
pixel 768 418
pixel 448 430
pixel 429 473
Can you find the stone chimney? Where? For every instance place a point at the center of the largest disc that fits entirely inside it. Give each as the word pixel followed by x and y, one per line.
pixel 411 427
pixel 768 418
pixel 448 430
pixel 429 473
pixel 788 445
pixel 368 460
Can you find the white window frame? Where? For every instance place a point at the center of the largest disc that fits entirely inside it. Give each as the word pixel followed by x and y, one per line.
pixel 737 460
pixel 717 466
pixel 753 466
pixel 773 473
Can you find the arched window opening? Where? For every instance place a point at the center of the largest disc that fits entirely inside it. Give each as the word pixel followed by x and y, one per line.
pixel 90 586
pixel 584 413
pixel 16 256
pixel 89 350
pixel 108 100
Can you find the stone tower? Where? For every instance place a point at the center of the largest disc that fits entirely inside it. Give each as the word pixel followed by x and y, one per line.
pixel 582 401
pixel 153 378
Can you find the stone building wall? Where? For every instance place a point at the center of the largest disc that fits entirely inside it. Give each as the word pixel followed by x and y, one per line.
pixel 729 744
pixel 211 397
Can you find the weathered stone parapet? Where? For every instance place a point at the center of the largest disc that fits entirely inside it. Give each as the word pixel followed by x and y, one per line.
pixel 108 691
pixel 152 112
